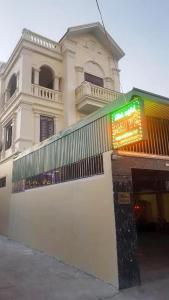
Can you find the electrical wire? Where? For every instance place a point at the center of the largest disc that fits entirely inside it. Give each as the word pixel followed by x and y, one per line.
pixel 115 68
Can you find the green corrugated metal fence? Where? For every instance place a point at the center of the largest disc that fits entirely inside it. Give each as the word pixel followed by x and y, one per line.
pixel 91 139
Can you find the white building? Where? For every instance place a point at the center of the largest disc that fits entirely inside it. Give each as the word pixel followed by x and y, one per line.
pixel 46 86
pixel 76 195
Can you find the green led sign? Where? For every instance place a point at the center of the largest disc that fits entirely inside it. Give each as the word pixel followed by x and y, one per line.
pixel 128 123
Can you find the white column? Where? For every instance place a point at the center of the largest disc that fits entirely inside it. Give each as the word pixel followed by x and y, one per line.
pixel 108 83
pixel 116 77
pixel 79 75
pixel 56 83
pixel 36 81
pixel 36 128
pixel 69 86
pixel 36 76
pixel 24 127
pixel 26 71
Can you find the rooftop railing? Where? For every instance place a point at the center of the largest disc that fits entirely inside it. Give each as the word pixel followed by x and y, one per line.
pixel 40 40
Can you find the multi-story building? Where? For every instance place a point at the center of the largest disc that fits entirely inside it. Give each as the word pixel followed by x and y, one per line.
pixel 46 86
pixel 81 193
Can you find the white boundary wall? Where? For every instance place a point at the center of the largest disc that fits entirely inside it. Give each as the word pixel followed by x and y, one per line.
pixel 73 221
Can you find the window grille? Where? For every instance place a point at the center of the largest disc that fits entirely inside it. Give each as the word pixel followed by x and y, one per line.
pixel 85 168
pixel 158 138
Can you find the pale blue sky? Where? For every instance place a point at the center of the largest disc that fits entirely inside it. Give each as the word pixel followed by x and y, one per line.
pixel 140 27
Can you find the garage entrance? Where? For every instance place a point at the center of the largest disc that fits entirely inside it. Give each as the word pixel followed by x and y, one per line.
pixel 151 212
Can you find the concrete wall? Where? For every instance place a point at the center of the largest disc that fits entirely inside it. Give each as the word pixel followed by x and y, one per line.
pixel 73 221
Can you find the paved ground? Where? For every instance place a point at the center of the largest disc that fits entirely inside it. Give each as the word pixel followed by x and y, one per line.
pixel 31 275
pixel 26 274
pixel 153 255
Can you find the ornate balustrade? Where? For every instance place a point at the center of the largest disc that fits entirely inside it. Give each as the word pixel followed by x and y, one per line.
pixel 46 94
pixel 87 89
pixel 39 40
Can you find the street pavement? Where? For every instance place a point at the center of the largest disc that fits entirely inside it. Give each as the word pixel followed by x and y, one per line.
pixel 26 274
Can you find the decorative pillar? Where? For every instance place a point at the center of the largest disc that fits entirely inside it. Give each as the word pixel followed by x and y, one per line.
pixel 79 75
pixel 36 75
pixel 24 127
pixel 108 83
pixel 69 82
pixel 87 88
pixel 26 71
pixel 56 83
pixel 116 77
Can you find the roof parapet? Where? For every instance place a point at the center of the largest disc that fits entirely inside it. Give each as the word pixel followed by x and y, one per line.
pixel 39 40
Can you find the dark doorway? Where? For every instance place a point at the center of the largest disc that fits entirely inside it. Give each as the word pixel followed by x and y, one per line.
pixel 46 77
pixel 151 212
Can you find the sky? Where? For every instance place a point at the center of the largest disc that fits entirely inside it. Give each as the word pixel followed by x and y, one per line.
pixel 140 27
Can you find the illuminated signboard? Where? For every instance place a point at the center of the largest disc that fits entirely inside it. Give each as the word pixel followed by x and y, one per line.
pixel 127 124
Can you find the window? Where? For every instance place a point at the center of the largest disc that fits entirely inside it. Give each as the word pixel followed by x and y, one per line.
pixel 2 182
pixel 8 136
pixel 33 76
pixel 46 127
pixel 46 77
pixel 93 79
pixel 12 85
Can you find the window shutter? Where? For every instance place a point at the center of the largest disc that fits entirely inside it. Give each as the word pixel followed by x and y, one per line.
pixel 8 138
pixel 50 126
pixel 46 127
pixel 93 79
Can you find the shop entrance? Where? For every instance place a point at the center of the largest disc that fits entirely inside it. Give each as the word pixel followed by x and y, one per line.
pixel 151 212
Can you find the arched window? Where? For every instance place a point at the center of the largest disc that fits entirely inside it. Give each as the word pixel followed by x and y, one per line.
pixel 12 85
pixel 46 77
pixel 93 73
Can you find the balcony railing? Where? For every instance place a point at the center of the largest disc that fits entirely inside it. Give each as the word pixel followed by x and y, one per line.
pixel 87 89
pixel 40 40
pixel 47 94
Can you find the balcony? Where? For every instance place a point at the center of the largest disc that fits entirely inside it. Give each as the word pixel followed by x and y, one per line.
pixel 46 94
pixel 90 97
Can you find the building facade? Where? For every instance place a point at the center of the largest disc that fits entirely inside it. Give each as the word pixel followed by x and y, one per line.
pixel 81 194
pixel 46 86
